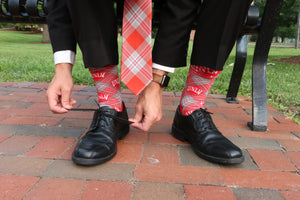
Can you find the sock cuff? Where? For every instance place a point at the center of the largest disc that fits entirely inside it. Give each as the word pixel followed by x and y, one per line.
pixel 108 68
pixel 205 72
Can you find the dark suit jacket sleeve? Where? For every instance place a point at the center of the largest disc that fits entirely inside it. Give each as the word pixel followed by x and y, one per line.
pixel 60 26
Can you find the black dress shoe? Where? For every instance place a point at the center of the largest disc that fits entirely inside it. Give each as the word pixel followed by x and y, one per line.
pixel 100 142
pixel 207 142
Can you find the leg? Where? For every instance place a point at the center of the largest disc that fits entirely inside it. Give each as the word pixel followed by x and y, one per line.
pixel 108 86
pixel 211 48
pixel 99 144
pixel 94 28
pixel 60 26
pixel 198 83
pixel 94 24
pixel 219 24
pixel 171 43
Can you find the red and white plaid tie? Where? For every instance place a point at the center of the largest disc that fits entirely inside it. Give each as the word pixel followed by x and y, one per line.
pixel 136 64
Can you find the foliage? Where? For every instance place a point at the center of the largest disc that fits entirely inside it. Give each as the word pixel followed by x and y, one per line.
pixel 287 22
pixel 22 26
pixel 7 25
pixel 28 27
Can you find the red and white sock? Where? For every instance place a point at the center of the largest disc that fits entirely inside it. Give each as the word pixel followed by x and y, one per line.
pixel 198 84
pixel 108 86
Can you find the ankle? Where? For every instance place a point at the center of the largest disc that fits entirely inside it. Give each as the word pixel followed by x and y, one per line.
pixel 108 87
pixel 198 84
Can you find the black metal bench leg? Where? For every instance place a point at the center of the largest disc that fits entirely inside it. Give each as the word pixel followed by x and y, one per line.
pixel 259 96
pixel 238 69
pixel 259 80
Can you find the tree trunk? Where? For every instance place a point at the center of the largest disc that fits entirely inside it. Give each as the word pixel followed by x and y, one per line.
pixel 46 37
pixel 298 27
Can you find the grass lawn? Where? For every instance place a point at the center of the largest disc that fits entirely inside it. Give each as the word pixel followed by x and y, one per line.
pixel 24 58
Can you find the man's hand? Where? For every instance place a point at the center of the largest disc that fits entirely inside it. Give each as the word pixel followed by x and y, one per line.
pixel 60 88
pixel 148 109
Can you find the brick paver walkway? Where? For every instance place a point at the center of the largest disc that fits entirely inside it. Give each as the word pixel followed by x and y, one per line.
pixel 35 149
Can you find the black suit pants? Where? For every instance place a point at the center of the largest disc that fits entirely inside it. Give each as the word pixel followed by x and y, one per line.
pixel 91 24
pixel 218 25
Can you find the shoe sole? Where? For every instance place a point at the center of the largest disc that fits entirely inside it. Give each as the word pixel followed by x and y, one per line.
pixel 180 135
pixel 97 161
pixel 91 162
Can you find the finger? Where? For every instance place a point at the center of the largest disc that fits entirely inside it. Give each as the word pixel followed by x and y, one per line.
pixel 54 103
pixel 138 117
pixel 72 101
pixel 144 125
pixel 138 126
pixel 65 99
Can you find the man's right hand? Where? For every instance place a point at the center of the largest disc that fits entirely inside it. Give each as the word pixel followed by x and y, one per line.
pixel 60 88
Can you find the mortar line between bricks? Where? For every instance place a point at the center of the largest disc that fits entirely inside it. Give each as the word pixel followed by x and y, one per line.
pixel 11 135
pixel 31 189
pixel 282 147
pixel 134 182
pixel 276 120
pixel 42 137
pixel 291 161
pixel 253 160
pixel 178 154
pixel 59 123
pixel 83 189
pixel 293 133
pixel 223 183
pixel 46 169
pixel 236 132
pixel 142 153
pixel 134 188
pixel 68 148
pixel 184 192
pixel 148 138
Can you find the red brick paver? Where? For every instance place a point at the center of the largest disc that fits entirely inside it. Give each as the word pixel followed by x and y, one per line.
pixel 291 195
pixel 36 147
pixel 261 179
pixel 128 153
pixel 15 187
pixel 18 144
pixel 177 174
pixel 3 137
pixel 48 189
pixel 112 190
pixel 295 157
pixel 195 192
pixel 40 121
pixel 271 160
pixel 160 154
pixel 50 147
pixel 150 191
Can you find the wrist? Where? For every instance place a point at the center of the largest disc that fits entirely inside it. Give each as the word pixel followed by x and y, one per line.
pixel 63 67
pixel 159 72
pixel 153 89
pixel 160 77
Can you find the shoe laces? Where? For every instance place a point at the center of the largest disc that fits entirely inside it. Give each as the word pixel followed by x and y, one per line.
pixel 102 113
pixel 204 120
